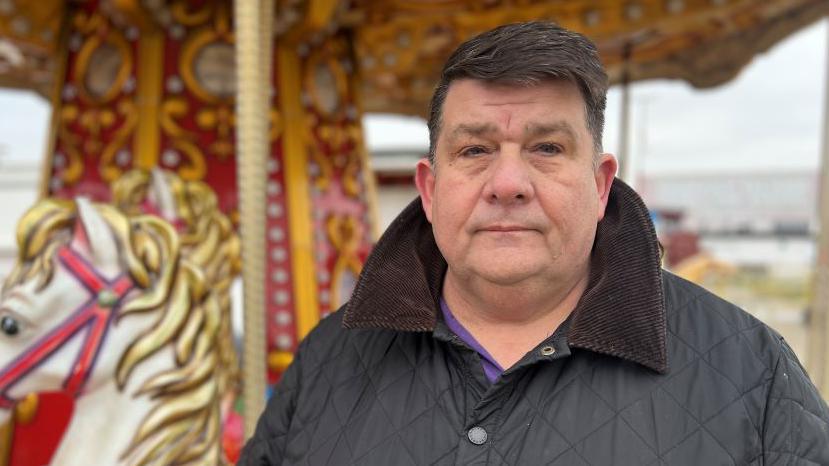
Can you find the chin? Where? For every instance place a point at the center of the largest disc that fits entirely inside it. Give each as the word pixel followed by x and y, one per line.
pixel 507 276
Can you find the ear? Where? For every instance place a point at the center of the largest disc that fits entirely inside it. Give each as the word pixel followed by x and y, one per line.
pixel 604 173
pixel 425 182
pixel 161 195
pixel 93 239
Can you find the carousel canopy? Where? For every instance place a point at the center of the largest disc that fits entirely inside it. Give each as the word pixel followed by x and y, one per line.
pixel 401 44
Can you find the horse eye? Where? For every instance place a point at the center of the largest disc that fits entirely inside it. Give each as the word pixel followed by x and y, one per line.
pixel 9 326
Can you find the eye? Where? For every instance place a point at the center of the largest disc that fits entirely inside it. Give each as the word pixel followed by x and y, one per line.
pixel 473 151
pixel 549 148
pixel 9 325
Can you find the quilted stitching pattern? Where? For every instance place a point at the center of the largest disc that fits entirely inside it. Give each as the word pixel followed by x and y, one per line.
pixel 734 395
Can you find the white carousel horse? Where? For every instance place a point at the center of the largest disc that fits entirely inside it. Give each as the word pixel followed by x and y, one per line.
pixel 101 306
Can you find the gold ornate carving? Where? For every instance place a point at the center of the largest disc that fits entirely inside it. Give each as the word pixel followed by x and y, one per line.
pixel 181 12
pixel 196 166
pixel 207 68
pixel 344 232
pixel 95 120
pixel 182 139
pixel 104 51
pixel 102 121
pixel 327 83
pixel 171 109
pixel 70 142
pixel 108 168
pixel 220 120
pixel 193 53
pixel 338 135
pixel 32 25
pixel 344 142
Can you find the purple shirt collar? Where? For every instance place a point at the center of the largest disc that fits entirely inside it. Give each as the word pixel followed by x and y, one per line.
pixel 492 369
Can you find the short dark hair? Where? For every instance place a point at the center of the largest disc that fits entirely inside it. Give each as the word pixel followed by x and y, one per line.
pixel 525 54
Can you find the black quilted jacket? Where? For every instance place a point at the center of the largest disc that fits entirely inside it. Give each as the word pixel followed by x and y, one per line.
pixel 648 370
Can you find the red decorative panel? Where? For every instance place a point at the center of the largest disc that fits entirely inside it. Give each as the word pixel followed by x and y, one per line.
pixel 97 112
pixel 166 98
pixel 341 212
pixel 196 112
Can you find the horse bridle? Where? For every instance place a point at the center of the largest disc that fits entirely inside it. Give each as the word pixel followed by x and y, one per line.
pixel 96 314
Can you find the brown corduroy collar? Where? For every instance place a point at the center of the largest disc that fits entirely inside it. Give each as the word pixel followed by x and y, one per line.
pixel 622 312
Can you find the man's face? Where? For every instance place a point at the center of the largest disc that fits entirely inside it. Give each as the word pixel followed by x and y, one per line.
pixel 514 194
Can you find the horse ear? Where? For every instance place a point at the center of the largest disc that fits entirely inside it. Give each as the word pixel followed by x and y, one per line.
pixel 161 194
pixel 93 238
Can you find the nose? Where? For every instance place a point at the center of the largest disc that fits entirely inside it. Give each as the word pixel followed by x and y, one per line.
pixel 509 180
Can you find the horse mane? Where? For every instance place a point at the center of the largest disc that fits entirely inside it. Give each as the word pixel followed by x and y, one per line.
pixel 209 240
pixel 183 425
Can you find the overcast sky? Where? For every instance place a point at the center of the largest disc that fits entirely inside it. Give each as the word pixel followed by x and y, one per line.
pixel 768 119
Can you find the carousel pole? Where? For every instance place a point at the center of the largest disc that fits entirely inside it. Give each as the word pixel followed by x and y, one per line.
pixel 252 151
pixel 819 312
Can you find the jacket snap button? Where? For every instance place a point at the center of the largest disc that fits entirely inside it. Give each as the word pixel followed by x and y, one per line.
pixel 548 351
pixel 477 435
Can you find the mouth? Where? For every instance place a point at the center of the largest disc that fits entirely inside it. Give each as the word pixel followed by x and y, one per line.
pixel 505 229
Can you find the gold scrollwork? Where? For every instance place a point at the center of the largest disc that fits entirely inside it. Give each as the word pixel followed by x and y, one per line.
pixel 181 12
pixel 327 84
pixel 69 143
pixel 216 35
pixel 108 168
pixel 326 167
pixel 84 66
pixel 344 232
pixel 88 23
pixel 171 109
pixel 94 120
pixel 221 119
pixel 344 143
pixel 351 186
pixel 196 168
pixel 182 139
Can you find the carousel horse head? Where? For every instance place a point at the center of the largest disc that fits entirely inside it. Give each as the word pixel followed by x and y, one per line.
pixel 101 306
pixel 207 236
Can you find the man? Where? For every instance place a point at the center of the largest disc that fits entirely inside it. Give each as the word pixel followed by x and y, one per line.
pixel 517 312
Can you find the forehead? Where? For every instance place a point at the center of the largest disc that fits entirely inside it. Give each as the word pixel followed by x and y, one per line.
pixel 469 99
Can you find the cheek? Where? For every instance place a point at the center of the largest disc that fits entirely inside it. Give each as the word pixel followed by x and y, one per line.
pixel 571 208
pixel 453 204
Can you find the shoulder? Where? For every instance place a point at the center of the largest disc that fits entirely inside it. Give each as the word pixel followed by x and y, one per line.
pixel 741 376
pixel 712 335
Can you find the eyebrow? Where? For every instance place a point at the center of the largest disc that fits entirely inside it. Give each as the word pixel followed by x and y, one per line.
pixel 533 129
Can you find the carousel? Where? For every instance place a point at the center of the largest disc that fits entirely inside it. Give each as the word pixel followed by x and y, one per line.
pixel 196 143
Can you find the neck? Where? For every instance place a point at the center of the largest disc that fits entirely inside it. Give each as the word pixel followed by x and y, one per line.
pixel 93 419
pixel 110 416
pixel 511 320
